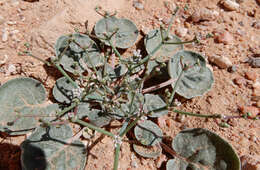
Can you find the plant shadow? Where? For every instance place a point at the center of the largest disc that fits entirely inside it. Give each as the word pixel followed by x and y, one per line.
pixel 10 157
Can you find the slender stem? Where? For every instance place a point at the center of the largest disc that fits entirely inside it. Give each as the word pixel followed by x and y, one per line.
pixel 37 58
pixel 64 51
pixel 171 21
pixel 65 110
pixel 65 75
pixel 98 129
pixel 131 125
pixel 197 115
pixel 158 86
pixel 182 42
pixel 116 159
pixel 175 87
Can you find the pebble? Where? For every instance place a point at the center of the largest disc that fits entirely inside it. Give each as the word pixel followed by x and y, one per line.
pixel 11 69
pixel 204 14
pixel 5 35
pixel 138 5
pixel 256 87
pixel 240 81
pixel 249 163
pixel 232 69
pixel 258 104
pixel 180 118
pixel 256 24
pixel 2 20
pixel 3 61
pixel 220 61
pixel 182 32
pixel 224 37
pixel 254 61
pixel 161 122
pixel 160 160
pixel 251 75
pixel 230 5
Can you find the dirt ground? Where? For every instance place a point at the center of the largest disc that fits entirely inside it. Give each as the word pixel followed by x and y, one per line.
pixel 233 34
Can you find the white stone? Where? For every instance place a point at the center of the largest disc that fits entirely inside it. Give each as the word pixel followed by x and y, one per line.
pixel 230 5
pixel 181 31
pixel 204 14
pixel 220 61
pixel 11 69
pixel 5 35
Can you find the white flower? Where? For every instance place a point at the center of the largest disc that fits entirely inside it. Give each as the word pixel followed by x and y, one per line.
pixel 117 140
pixel 137 53
pixel 77 92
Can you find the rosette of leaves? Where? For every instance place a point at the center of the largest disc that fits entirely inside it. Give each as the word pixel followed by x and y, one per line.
pixel 149 135
pixel 22 104
pixel 123 31
pixel 196 79
pixel 76 52
pixel 154 38
pixel 53 148
pixel 200 149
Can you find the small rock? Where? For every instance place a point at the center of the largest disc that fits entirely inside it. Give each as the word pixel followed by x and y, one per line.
pixel 160 160
pixel 180 118
pixel 5 35
pixel 3 61
pixel 232 69
pixel 258 104
pixel 11 23
pixel 251 75
pixel 138 5
pixel 161 122
pixel 224 37
pixel 256 87
pixel 11 69
pixel 240 81
pixel 256 24
pixel 220 61
pixel 204 14
pixel 254 61
pixel 182 32
pixel 2 20
pixel 230 5
pixel 249 163
pixel 254 111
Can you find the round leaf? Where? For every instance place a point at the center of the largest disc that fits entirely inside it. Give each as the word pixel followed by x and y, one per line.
pixel 154 38
pixel 196 80
pixel 63 90
pixel 147 152
pixel 125 36
pixel 201 147
pixel 148 133
pixel 81 52
pixel 20 97
pixel 52 148
pixel 154 103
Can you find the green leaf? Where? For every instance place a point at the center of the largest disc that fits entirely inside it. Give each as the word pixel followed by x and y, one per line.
pixel 199 148
pixel 148 133
pixel 154 38
pixel 154 103
pixel 21 100
pixel 126 35
pixel 98 118
pixel 63 90
pixel 196 80
pixel 52 148
pixel 118 71
pixel 82 52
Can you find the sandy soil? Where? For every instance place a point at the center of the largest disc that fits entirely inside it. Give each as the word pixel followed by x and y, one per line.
pixel 232 34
